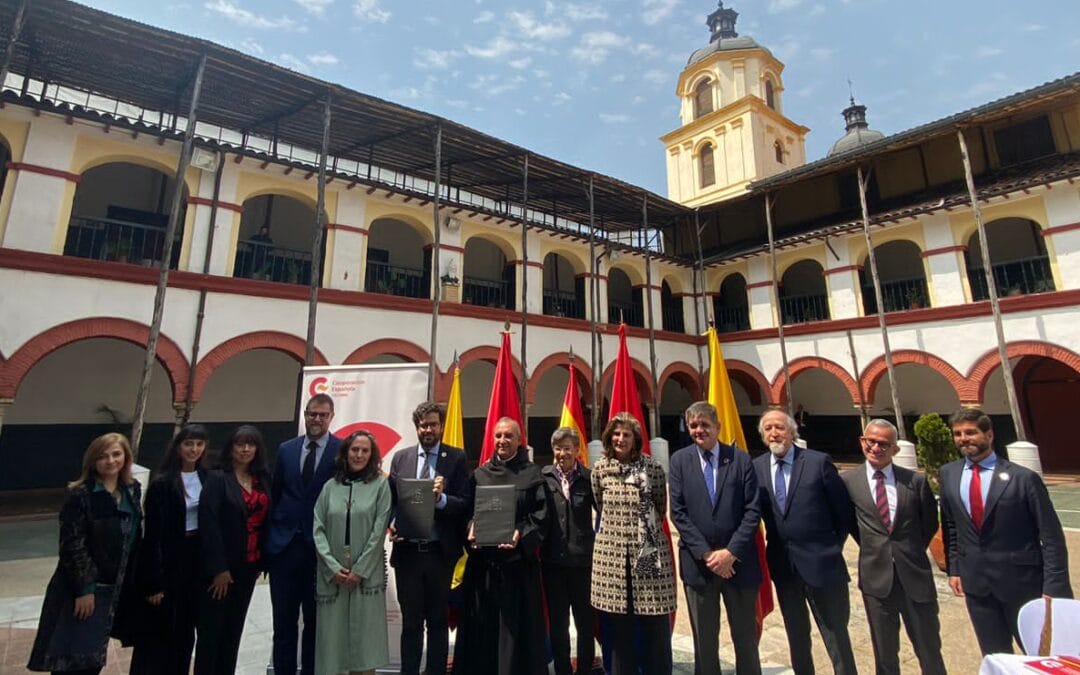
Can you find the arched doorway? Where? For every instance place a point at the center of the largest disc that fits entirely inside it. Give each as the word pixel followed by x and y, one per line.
pixel 1017 258
pixel 827 421
pixel 921 389
pixel 564 291
pixel 120 212
pixel 624 301
pixel 397 261
pixel 671 310
pixel 902 277
pixel 731 310
pixel 802 293
pixel 476 379
pixel 276 232
pixel 488 281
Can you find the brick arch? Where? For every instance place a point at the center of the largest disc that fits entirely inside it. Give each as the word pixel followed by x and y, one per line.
pixel 778 392
pixel 752 380
pixel 642 370
pixel 491 355
pixel 393 346
pixel 686 375
pixel 263 339
pixel 872 374
pixel 559 360
pixel 169 355
pixel 980 372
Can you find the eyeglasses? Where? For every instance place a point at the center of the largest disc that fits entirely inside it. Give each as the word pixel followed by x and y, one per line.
pixel 317 415
pixel 428 425
pixel 879 443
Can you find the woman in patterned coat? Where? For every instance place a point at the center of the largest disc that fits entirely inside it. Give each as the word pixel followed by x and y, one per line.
pixel 633 574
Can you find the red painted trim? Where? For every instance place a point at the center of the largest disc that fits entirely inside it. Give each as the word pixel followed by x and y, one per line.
pixel 203 201
pixel 531 263
pixel 45 171
pixel 942 251
pixel 445 247
pixel 347 228
pixel 586 275
pixel 638 287
pixel 1058 229
pixel 846 268
pixel 759 284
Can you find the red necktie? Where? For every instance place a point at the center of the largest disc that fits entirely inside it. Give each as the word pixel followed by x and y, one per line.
pixel 881 499
pixel 975 497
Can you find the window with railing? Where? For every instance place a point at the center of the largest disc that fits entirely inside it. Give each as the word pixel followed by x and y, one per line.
pixel 266 262
pixel 119 241
pixel 898 295
pixel 486 293
pixel 631 314
pixel 730 319
pixel 390 279
pixel 804 308
pixel 563 303
pixel 1016 277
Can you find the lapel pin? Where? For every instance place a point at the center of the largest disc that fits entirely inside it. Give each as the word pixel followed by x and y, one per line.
pixel 443 454
pixel 1003 476
pixel 726 460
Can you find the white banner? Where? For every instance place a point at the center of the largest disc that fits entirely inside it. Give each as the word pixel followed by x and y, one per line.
pixel 379 398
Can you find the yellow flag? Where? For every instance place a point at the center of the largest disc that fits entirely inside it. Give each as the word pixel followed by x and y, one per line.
pixel 721 396
pixel 453 434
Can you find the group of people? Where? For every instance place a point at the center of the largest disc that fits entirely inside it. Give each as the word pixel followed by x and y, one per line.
pixel 588 542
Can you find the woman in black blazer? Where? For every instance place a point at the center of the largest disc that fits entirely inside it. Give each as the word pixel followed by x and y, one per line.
pixel 170 559
pixel 232 521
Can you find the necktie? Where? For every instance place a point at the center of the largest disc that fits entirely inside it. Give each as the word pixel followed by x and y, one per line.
pixel 975 497
pixel 307 472
pixel 425 467
pixel 881 500
pixel 710 476
pixel 780 487
pixel 564 482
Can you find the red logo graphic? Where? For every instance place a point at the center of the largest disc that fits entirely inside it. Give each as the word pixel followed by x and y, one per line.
pixel 320 385
pixel 386 437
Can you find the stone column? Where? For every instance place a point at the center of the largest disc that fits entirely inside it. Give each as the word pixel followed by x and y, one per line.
pixel 1062 236
pixel 842 285
pixel 44 188
pixel 759 294
pixel 944 262
pixel 346 249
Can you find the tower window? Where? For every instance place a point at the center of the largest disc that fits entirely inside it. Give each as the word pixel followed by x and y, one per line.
pixel 778 147
pixel 703 98
pixel 707 166
pixel 770 94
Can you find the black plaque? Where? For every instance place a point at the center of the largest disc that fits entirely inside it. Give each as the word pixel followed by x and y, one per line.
pixel 415 516
pixel 493 515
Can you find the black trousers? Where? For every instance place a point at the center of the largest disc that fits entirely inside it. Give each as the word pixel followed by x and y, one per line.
pixel 994 622
pixel 221 624
pixel 292 592
pixel 704 609
pixel 566 589
pixel 920 621
pixel 423 589
pixel 164 648
pixel 831 608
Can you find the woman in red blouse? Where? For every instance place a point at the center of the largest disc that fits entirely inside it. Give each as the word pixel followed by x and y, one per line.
pixel 232 518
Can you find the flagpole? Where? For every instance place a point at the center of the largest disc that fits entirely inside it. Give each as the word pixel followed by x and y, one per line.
pixel 776 300
pixel 524 287
pixel 436 282
pixel 594 302
pixel 699 277
pixel 654 409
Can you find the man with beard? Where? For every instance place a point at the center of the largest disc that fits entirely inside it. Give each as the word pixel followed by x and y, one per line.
pixel 807 516
pixel 1003 541
pixel 424 567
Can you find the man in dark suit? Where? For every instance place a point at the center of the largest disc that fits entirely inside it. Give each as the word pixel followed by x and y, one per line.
pixel 895 519
pixel 1003 541
pixel 303 465
pixel 714 505
pixel 807 514
pixel 423 568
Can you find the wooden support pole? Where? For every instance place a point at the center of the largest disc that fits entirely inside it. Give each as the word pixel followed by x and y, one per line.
pixel 776 303
pixel 436 281
pixel 594 302
pixel 317 240
pixel 654 410
pixel 524 286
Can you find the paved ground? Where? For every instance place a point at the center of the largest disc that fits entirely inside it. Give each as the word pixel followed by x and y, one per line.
pixel 27 560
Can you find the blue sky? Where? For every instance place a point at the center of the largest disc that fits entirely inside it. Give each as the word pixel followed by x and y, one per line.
pixel 592 83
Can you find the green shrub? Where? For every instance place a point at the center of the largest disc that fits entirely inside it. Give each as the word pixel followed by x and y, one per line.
pixel 934 446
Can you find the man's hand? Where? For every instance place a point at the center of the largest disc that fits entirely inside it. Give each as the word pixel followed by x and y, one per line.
pixel 437 488
pixel 721 563
pixel 219 587
pixel 155 599
pixel 472 534
pixel 513 542
pixel 956 586
pixel 84 606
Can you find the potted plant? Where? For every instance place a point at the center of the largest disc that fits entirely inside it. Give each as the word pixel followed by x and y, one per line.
pixel 915 298
pixel 934 448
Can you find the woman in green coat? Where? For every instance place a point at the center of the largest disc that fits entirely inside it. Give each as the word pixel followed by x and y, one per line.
pixel 350 584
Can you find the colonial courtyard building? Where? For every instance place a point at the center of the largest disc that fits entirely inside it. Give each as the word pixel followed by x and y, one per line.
pixel 403 224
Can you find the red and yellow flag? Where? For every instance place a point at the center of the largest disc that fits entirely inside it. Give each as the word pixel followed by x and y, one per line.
pixel 505 401
pixel 573 417
pixel 731 432
pixel 624 393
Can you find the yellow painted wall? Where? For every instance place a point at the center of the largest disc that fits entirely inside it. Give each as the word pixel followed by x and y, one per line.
pixel 14 133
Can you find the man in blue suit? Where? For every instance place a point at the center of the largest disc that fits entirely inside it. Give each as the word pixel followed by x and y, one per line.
pixel 808 515
pixel 714 505
pixel 304 464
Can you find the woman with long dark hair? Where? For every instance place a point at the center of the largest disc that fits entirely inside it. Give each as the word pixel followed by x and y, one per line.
pixel 351 516
pixel 170 563
pixel 233 513
pixel 87 598
pixel 633 572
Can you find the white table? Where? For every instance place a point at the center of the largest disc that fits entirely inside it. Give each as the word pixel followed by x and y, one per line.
pixel 1009 664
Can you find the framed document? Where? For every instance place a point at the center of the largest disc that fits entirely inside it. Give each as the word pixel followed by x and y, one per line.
pixel 493 514
pixel 415 516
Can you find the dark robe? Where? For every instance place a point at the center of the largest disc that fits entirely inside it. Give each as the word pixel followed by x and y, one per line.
pixel 501 630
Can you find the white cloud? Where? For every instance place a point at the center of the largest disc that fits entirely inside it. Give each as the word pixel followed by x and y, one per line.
pixel 655 11
pixel 777 6
pixel 457 103
pixel 594 47
pixel 485 16
pixel 1034 27
pixel 497 48
pixel 247 18
pixel 251 47
pixel 560 98
pixel 322 59
pixel 530 27
pixel 822 53
pixel 620 77
pixel 316 7
pixel 369 11
pixel 645 49
pixel 614 118
pixel 817 9
pixel 519 111
pixel 520 64
pixel 293 63
pixel 576 12
pixel 657 76
pixel 495 85
pixel 432 59
pixel 987 51
pixel 638 100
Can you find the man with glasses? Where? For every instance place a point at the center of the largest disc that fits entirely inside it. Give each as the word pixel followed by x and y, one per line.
pixel 303 465
pixel 895 519
pixel 423 568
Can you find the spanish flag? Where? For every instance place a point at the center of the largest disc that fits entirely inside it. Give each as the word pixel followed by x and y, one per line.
pixel 731 432
pixel 573 418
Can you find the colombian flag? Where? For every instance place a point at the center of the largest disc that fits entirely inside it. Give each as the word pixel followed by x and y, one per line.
pixel 573 418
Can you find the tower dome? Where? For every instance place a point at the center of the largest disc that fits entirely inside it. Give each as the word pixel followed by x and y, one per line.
pixel 724 38
pixel 858 133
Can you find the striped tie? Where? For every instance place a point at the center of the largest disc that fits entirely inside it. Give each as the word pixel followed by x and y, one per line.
pixel 881 500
